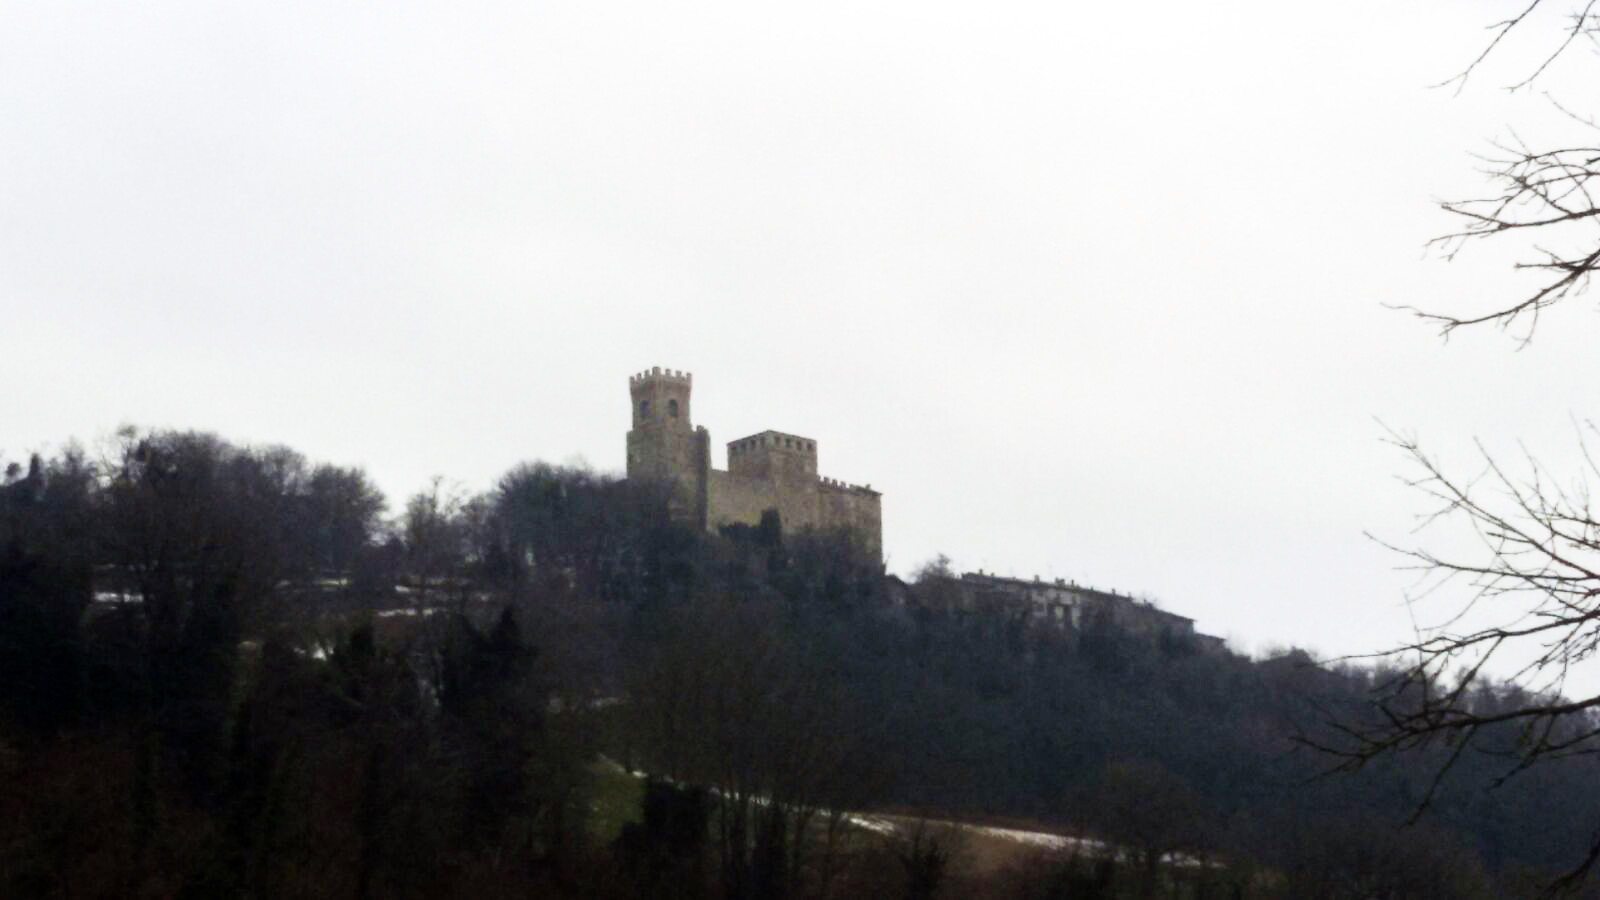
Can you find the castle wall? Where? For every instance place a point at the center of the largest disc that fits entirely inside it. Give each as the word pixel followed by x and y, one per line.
pixel 823 504
pixel 733 498
pixel 860 509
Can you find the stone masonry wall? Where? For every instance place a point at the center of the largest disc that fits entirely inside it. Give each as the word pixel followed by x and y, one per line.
pixel 732 498
pixel 823 504
pixel 844 506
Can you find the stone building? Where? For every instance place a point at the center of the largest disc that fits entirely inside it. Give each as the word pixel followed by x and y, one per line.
pixel 769 470
pixel 1070 608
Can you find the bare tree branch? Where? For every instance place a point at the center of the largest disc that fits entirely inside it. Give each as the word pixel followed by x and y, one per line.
pixel 1547 190
pixel 1535 578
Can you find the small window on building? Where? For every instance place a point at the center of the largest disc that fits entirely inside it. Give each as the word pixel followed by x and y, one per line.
pixel 672 408
pixel 786 443
pixel 644 409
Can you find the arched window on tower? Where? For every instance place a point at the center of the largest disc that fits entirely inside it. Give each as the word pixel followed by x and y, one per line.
pixel 672 408
pixel 644 409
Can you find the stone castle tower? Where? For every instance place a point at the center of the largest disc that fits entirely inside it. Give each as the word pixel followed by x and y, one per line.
pixel 663 444
pixel 768 470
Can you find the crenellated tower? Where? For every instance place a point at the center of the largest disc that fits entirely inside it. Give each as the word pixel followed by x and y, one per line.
pixel 663 444
pixel 774 455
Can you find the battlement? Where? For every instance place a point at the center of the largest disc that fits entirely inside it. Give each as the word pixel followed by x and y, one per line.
pixel 837 485
pixel 772 440
pixel 659 374
pixel 773 454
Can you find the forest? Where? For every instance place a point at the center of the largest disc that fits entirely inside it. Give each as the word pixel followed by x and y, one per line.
pixel 227 670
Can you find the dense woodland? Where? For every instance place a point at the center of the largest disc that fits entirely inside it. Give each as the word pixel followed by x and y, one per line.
pixel 225 671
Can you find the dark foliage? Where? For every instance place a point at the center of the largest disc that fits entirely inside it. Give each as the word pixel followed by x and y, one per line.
pixel 664 854
pixel 221 674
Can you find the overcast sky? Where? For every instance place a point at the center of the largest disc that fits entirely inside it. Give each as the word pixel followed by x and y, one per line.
pixel 1093 291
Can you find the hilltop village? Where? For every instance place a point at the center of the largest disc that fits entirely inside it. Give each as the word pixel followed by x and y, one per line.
pixel 777 471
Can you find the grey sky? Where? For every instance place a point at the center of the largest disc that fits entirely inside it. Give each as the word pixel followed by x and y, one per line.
pixel 1091 290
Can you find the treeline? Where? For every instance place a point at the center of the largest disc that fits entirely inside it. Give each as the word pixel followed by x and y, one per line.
pixel 224 672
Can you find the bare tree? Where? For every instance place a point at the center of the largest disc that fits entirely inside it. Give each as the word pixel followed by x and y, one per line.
pixel 736 703
pixel 1541 195
pixel 1532 599
pixel 1151 813
pixel 1532 586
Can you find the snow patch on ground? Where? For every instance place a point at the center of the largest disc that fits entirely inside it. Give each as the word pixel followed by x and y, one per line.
pixel 407 611
pixel 1042 839
pixel 1039 839
pixel 876 826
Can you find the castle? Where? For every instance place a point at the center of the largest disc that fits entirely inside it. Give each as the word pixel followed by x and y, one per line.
pixel 771 470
